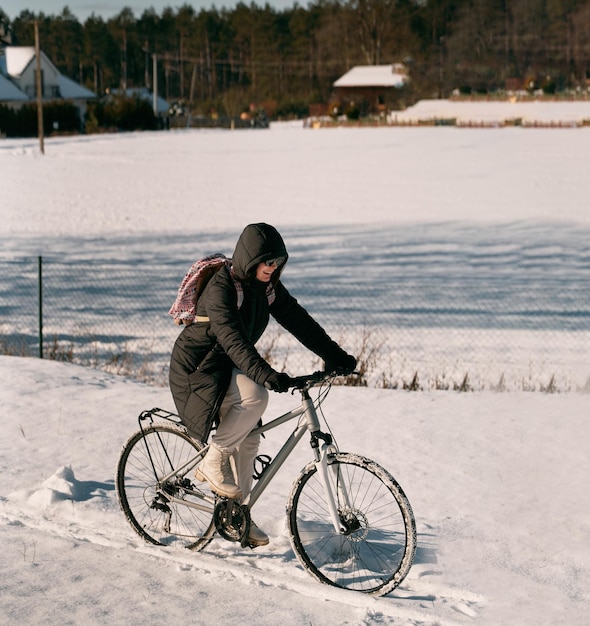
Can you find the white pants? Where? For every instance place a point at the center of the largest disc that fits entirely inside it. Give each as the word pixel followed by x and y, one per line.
pixel 240 412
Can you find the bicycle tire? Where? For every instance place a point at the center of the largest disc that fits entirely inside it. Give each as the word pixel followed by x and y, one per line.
pixel 376 553
pixel 148 456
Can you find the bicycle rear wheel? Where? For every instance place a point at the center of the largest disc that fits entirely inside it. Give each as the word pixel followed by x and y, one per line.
pixel 376 551
pixel 160 497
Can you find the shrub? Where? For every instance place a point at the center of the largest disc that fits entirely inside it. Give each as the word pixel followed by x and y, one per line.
pixel 353 112
pixel 122 113
pixel 62 116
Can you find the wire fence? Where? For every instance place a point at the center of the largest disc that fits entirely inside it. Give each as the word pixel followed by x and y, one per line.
pixel 421 326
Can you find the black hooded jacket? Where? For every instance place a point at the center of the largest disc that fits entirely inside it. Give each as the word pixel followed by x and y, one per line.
pixel 206 351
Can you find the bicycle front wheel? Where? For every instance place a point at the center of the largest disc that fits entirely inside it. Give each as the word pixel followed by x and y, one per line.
pixel 160 497
pixel 375 552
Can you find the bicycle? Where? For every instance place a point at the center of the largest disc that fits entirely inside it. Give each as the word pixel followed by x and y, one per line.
pixel 350 523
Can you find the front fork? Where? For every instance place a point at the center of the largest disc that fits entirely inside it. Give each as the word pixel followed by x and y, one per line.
pixel 322 452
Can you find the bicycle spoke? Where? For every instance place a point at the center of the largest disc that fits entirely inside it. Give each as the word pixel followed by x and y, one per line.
pixel 376 552
pixel 164 512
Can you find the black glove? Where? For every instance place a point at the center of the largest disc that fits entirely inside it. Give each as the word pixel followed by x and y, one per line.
pixel 279 381
pixel 343 364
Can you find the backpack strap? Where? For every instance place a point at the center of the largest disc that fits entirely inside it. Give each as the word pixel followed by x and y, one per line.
pixel 239 290
pixel 270 292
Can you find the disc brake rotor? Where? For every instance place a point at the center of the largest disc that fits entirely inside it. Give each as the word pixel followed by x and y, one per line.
pixel 356 523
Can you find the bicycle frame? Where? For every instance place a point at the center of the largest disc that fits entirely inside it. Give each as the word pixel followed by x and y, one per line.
pixel 309 422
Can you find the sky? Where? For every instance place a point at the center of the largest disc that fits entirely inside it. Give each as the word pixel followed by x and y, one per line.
pixel 83 9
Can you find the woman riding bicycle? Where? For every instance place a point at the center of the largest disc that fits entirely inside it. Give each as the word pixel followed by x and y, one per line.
pixel 216 373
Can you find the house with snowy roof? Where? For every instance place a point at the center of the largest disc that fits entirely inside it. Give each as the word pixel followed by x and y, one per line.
pixel 18 85
pixel 160 107
pixel 374 87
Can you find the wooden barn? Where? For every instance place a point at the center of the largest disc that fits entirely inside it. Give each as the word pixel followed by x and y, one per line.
pixel 372 89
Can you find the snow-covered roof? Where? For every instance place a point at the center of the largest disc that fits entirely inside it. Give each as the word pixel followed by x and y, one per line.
pixel 9 91
pixel 373 76
pixel 145 94
pixel 70 89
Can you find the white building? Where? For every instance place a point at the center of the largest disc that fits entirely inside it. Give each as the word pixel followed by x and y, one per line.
pixel 18 66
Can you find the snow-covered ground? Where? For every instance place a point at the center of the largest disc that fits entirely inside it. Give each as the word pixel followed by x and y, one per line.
pixel 497 483
pixel 495 112
pixel 496 480
pixel 206 181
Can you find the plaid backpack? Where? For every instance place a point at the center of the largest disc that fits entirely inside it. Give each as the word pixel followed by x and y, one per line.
pixel 200 273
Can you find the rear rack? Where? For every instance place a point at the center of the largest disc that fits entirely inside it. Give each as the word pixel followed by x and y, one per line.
pixel 159 413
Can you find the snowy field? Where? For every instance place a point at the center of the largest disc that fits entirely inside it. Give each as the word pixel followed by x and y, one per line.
pixel 457 252
pixel 496 480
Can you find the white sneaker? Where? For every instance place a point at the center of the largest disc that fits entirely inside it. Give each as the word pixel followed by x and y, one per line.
pixel 215 468
pixel 257 537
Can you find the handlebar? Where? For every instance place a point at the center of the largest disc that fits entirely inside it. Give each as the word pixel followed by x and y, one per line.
pixel 309 380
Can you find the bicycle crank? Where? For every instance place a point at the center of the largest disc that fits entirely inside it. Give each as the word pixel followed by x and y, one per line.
pixel 232 521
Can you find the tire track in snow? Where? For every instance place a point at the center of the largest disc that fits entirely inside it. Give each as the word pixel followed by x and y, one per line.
pixel 416 602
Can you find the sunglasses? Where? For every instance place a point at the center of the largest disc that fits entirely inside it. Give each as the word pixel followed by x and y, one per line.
pixel 275 262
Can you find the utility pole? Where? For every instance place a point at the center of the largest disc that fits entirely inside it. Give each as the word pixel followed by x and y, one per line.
pixel 155 81
pixel 39 90
pixel 441 41
pixel 146 49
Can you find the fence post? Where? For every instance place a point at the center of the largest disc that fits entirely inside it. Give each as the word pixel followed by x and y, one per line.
pixel 40 298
